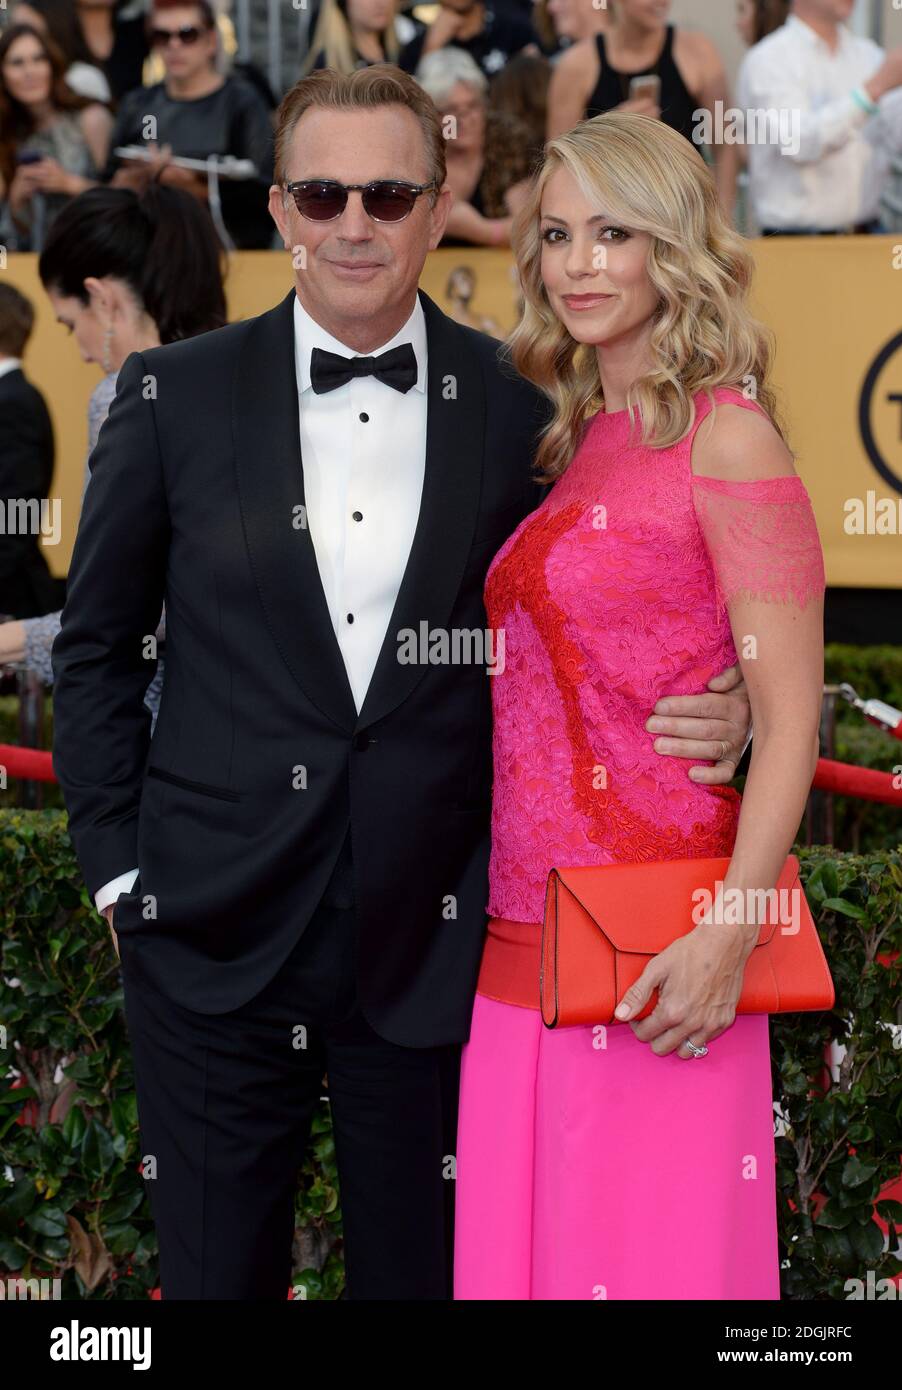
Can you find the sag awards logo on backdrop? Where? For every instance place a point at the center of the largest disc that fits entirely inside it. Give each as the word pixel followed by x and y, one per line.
pixel 880 413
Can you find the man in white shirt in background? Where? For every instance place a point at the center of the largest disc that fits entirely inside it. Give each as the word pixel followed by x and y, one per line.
pixel 844 93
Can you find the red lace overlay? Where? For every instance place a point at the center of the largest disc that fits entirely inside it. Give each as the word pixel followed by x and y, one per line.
pixel 609 597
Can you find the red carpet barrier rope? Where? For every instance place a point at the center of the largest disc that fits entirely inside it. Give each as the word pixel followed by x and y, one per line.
pixel 28 763
pixel 864 783
pixel 840 778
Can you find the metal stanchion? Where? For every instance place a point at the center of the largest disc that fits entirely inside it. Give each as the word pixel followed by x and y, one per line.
pixel 878 712
pixel 243 28
pixel 31 731
pixel 305 33
pixel 875 21
pixel 819 814
pixel 38 222
pixel 274 45
pixel 214 202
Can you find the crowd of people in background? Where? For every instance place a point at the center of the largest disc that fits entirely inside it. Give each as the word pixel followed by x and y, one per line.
pixel 126 92
pixel 160 86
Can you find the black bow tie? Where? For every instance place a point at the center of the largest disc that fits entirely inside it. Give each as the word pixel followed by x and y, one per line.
pixel 397 368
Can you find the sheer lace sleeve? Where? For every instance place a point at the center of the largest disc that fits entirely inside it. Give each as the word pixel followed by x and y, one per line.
pixel 39 638
pixel 762 538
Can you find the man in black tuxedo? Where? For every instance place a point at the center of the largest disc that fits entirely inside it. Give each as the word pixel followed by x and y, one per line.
pixel 27 588
pixel 300 855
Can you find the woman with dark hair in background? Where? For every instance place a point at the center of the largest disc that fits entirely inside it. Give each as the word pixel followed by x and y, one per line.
pixel 59 21
pixel 560 23
pixel 755 19
pixel 353 34
pixel 118 46
pixel 520 92
pixel 52 142
pixel 115 267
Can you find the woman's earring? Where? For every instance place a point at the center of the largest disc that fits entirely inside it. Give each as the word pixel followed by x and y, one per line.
pixel 105 354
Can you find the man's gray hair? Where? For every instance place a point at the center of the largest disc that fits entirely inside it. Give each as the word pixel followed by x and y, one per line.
pixel 439 72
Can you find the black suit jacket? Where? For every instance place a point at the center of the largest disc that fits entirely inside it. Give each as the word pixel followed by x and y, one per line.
pixel 27 588
pixel 237 811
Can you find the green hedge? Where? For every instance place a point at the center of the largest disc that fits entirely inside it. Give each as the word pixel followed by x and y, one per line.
pixel 876 673
pixel 843 1139
pixel 77 1208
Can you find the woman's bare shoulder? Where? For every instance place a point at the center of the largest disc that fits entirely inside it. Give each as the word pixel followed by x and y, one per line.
pixel 738 444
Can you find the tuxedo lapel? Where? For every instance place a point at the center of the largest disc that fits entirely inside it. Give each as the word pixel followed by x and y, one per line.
pixel 270 475
pixel 455 442
pixel 270 479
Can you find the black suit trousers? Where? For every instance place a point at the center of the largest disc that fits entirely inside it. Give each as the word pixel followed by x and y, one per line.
pixel 225 1104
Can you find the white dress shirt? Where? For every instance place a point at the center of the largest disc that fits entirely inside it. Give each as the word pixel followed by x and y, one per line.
pixel 9 364
pixel 363 447
pixel 835 178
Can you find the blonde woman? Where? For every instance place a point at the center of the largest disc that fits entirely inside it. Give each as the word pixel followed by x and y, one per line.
pixel 636 1162
pixel 353 34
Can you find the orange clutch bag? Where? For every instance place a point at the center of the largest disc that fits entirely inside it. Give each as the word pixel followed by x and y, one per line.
pixel 603 924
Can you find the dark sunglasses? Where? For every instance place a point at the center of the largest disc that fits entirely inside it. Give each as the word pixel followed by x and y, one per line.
pixel 187 34
pixel 385 200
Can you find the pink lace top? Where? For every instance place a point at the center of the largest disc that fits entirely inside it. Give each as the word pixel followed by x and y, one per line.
pixel 612 594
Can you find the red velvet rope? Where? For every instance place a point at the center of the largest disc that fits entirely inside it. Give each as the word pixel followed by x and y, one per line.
pixel 864 783
pixel 842 779
pixel 28 763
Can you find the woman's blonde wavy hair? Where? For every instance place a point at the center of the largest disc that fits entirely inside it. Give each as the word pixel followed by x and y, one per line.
pixel 333 36
pixel 649 178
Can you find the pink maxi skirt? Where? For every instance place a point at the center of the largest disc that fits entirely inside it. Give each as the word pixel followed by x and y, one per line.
pixel 588 1167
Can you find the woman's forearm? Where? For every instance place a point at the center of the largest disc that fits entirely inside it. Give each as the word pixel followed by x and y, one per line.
pixel 469 225
pixel 12 642
pixel 76 183
pixel 773 803
pixel 31 641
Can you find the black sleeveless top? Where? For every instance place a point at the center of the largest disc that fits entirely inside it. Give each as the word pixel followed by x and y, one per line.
pixel 677 103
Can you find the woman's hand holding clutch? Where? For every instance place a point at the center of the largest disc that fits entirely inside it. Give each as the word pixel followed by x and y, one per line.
pixel 699 980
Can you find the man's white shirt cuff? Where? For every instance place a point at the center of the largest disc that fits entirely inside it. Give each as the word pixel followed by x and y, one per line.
pixel 110 891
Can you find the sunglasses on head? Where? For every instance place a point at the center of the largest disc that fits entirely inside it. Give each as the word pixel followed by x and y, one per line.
pixel 385 200
pixel 187 34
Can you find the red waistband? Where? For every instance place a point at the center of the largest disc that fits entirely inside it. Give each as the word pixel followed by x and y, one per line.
pixel 510 962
